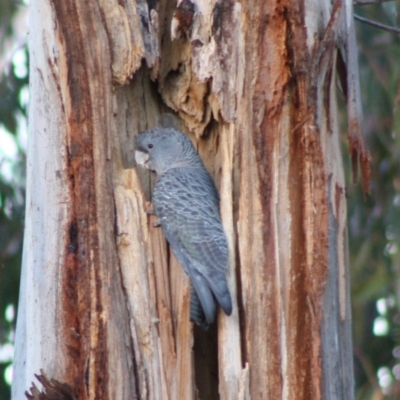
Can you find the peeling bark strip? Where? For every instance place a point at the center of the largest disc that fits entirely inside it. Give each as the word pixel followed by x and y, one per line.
pixel 358 150
pixel 290 112
pixel 52 389
pixel 89 292
pixel 88 353
pixel 254 84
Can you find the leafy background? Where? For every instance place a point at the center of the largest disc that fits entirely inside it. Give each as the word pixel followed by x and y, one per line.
pixel 13 127
pixel 374 222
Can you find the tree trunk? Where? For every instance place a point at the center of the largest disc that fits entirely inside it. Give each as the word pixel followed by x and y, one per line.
pixel 104 305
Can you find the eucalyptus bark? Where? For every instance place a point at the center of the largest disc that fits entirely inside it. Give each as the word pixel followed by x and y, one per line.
pixel 104 305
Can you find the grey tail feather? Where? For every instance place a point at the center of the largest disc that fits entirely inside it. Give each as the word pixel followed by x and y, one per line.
pixel 205 296
pixel 196 311
pixel 225 303
pixel 220 290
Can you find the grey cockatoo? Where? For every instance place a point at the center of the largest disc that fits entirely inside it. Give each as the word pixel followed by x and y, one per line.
pixel 186 203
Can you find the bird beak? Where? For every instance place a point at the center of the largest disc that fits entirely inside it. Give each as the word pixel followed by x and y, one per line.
pixel 141 158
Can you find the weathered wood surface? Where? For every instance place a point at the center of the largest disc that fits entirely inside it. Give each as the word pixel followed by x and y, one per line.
pixel 104 304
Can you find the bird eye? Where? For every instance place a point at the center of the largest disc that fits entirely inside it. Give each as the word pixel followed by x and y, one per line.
pixel 150 146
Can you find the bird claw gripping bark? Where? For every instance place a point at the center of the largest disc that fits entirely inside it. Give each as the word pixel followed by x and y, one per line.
pixel 156 223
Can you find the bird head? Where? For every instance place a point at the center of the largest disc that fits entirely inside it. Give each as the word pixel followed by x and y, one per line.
pixel 161 149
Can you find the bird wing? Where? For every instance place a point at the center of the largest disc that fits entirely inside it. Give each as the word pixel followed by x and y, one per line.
pixel 187 205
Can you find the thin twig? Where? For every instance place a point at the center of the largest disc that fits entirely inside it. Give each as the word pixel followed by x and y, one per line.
pixel 377 24
pixel 368 2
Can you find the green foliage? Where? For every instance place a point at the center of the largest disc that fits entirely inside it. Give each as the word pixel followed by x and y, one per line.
pixel 10 104
pixel 7 11
pixel 13 84
pixel 374 223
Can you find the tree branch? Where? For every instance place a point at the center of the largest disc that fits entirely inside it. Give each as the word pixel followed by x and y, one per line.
pixel 368 2
pixel 377 24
